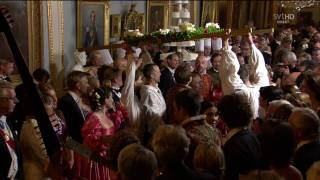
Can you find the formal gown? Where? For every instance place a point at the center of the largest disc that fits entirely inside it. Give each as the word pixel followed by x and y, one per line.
pixel 92 132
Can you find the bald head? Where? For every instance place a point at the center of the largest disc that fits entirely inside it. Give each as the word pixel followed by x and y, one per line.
pixel 306 122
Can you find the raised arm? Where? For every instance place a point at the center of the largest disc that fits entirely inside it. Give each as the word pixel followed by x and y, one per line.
pixel 128 95
pixel 258 67
pixel 228 69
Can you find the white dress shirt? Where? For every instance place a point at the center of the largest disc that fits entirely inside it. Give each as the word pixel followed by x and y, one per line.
pixel 14 159
pixel 152 101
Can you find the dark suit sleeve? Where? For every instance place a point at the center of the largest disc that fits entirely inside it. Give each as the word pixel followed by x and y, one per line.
pixel 166 81
pixel 73 117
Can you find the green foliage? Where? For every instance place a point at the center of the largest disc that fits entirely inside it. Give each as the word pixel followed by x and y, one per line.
pixel 159 38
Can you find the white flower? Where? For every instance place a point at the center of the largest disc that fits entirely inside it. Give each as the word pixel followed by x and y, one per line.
pixel 214 25
pixel 187 27
pixel 164 31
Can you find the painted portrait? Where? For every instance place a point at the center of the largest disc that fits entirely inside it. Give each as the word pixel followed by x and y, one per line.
pixel 26 28
pixel 156 18
pixel 92 24
pixel 18 9
pixel 115 25
pixel 157 14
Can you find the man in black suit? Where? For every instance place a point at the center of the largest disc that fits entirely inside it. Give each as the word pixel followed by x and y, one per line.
pixel 6 69
pixel 306 125
pixel 241 147
pixel 11 164
pixel 167 74
pixel 70 104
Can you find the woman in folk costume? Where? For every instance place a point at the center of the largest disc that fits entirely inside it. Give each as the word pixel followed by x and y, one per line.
pixel 129 97
pixel 35 158
pixel 97 126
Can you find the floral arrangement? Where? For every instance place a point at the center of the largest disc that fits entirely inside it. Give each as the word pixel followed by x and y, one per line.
pixel 188 32
pixel 164 31
pixel 212 27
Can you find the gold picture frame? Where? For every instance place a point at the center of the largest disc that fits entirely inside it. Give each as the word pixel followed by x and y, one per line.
pixel 28 18
pixel 142 19
pixel 92 23
pixel 157 15
pixel 115 25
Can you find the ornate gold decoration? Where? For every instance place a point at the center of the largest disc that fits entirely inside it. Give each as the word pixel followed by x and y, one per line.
pixel 115 25
pixel 132 21
pixel 61 12
pixel 50 34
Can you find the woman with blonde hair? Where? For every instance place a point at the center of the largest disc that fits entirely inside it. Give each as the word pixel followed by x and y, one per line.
pixel 209 158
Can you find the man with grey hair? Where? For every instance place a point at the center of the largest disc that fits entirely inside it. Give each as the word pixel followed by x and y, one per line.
pixel 6 69
pixel 10 166
pixel 306 126
pixel 289 58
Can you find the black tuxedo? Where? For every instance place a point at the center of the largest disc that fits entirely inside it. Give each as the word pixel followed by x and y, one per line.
pixel 166 81
pixel 306 155
pixel 6 158
pixel 73 116
pixel 242 154
pixel 115 93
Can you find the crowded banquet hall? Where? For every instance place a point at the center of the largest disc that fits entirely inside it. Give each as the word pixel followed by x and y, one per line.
pixel 100 89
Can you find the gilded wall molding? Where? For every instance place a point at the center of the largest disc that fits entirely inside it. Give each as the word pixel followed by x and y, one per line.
pixel 61 12
pixel 50 32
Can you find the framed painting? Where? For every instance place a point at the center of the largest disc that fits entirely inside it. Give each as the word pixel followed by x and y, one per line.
pixel 92 24
pixel 157 15
pixel 115 25
pixel 27 32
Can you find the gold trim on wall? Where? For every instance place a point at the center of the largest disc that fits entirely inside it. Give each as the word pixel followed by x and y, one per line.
pixel 61 12
pixel 50 32
pixel 115 19
pixel 35 35
pixel 106 21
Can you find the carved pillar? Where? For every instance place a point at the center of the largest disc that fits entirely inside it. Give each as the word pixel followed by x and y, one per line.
pixel 56 43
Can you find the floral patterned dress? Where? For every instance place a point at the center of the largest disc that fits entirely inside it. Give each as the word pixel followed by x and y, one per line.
pixel 92 132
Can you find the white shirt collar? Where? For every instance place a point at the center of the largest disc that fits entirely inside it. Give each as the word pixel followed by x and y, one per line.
pixel 3 118
pixel 171 70
pixel 76 98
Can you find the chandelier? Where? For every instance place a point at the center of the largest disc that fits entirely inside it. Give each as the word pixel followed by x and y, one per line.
pixel 299 4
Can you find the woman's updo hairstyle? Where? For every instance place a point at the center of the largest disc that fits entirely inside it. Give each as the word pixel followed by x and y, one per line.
pixel 97 98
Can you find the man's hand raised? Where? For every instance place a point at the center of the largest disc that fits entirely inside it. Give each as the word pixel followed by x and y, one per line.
pixel 225 38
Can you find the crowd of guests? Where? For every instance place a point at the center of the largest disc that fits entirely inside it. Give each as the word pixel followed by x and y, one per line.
pixel 247 110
